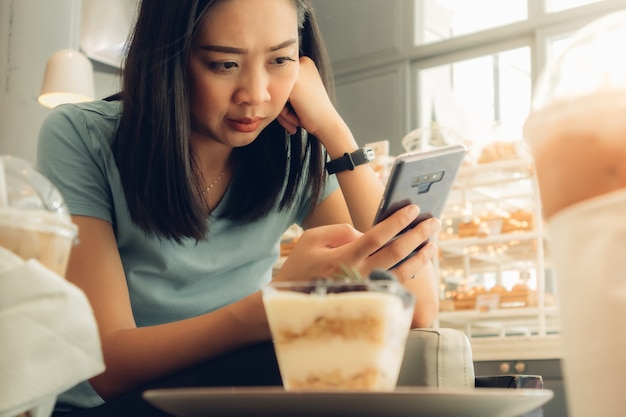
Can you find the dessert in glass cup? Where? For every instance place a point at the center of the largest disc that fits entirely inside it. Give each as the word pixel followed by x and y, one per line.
pixel 339 334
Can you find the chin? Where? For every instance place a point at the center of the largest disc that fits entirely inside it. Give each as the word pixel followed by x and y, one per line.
pixel 240 140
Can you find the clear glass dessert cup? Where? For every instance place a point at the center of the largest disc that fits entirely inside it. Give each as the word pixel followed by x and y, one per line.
pixel 339 335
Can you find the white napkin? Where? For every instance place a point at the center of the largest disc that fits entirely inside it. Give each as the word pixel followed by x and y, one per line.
pixel 588 245
pixel 48 337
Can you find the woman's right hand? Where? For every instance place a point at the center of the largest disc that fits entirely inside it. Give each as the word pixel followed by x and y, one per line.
pixel 322 251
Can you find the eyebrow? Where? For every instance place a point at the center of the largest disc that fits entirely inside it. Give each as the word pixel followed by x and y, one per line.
pixel 233 50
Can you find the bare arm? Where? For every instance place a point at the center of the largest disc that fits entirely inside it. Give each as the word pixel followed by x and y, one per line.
pixel 360 187
pixel 360 194
pixel 134 355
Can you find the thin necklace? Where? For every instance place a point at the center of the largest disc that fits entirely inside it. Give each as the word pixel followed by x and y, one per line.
pixel 208 189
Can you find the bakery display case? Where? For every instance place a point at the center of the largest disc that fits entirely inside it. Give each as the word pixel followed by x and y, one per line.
pixel 493 264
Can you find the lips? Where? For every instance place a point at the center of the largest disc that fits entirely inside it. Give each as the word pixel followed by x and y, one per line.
pixel 245 124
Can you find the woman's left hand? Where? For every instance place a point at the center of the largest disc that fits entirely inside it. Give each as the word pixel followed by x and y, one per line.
pixel 309 105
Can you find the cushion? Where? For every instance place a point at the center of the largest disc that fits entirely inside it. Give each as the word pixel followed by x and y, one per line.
pixel 439 358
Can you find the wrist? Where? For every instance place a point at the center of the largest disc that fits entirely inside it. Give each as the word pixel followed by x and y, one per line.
pixel 337 139
pixel 350 160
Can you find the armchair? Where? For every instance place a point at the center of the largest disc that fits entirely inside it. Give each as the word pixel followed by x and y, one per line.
pixel 442 358
pixel 437 358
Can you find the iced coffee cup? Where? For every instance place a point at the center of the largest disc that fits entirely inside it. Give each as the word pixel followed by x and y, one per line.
pixel 577 134
pixel 34 221
pixel 337 335
pixel 577 126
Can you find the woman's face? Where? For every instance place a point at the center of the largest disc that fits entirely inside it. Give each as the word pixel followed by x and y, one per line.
pixel 243 65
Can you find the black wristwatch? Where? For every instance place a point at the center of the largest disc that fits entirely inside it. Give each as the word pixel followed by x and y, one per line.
pixel 350 160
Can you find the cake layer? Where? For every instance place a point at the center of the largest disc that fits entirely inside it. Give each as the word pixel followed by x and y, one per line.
pixel 338 361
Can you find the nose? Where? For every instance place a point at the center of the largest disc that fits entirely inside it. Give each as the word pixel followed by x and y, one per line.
pixel 253 88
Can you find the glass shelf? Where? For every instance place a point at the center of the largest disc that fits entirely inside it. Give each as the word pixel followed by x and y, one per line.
pixel 493 264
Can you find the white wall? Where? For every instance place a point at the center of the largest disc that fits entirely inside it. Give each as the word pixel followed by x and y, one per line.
pixel 30 31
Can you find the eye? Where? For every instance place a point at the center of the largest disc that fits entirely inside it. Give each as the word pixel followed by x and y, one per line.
pixel 223 67
pixel 283 60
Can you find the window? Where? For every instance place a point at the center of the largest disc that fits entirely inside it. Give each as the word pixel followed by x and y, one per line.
pixel 479 99
pixel 475 62
pixel 437 20
pixel 560 5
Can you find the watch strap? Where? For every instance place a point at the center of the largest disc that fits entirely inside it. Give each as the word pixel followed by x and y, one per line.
pixel 350 160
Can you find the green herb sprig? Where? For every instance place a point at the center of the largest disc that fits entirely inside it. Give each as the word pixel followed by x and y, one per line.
pixel 348 274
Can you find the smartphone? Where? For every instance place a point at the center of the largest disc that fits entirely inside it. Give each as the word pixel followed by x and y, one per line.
pixel 424 178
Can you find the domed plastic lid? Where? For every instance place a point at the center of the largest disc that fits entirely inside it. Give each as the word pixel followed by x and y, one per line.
pixel 594 62
pixel 29 200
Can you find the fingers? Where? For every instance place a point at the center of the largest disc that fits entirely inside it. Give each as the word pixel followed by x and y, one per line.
pixel 319 253
pixel 288 120
pixel 380 234
pixel 408 269
pixel 398 248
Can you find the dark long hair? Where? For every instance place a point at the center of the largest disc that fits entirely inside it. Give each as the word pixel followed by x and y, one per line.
pixel 152 149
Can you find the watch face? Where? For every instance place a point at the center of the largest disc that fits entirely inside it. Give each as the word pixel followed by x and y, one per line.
pixel 369 153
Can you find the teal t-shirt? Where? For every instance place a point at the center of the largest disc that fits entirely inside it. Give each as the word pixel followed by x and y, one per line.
pixel 167 281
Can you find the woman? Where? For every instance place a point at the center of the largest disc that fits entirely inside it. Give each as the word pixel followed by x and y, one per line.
pixel 183 187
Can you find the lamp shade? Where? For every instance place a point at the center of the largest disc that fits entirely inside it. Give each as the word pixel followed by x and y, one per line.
pixel 68 79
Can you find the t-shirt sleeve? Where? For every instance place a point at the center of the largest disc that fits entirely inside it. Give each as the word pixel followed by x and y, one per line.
pixel 74 160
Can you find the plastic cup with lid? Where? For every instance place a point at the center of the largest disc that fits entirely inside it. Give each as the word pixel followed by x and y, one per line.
pixel 577 134
pixel 34 220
